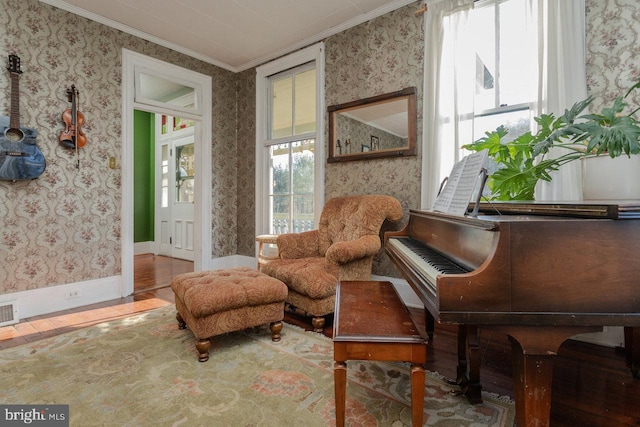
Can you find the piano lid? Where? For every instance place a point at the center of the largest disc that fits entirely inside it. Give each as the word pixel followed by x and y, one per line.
pixel 602 209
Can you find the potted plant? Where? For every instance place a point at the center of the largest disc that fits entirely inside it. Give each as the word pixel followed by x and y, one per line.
pixel 521 163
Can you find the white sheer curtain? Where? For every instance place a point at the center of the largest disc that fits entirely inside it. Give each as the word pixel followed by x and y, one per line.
pixel 558 60
pixel 561 80
pixel 443 99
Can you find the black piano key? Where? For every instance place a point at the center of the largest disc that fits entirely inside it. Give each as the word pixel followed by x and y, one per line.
pixel 433 258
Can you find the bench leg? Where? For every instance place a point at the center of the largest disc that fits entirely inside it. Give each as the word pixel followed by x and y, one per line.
pixel 203 347
pixel 276 328
pixel 417 394
pixel 340 384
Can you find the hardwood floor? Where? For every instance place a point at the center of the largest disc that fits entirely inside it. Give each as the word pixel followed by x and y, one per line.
pixel 591 385
pixel 154 272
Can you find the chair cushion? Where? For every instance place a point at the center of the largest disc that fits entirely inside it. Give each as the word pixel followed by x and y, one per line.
pixel 208 292
pixel 306 276
pixel 350 217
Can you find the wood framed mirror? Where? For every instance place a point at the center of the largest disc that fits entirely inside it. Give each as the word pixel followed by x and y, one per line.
pixel 376 127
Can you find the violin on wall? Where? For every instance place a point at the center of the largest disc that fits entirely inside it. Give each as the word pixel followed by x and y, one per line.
pixel 72 136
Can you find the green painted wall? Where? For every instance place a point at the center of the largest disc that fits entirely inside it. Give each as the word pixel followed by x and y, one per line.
pixel 143 176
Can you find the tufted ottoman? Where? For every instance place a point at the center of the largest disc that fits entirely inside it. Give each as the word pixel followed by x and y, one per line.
pixel 212 303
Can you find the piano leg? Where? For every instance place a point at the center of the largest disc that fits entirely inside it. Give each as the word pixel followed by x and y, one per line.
pixel 468 371
pixel 632 350
pixel 533 349
pixel 430 324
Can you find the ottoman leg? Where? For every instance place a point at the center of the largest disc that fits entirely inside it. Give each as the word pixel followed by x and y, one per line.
pixel 181 322
pixel 203 347
pixel 276 328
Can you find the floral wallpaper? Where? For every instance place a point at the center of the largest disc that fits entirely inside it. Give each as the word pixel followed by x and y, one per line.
pixel 380 56
pixel 246 162
pixel 613 57
pixel 64 227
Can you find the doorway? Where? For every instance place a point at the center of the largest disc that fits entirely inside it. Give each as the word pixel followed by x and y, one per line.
pixel 138 72
pixel 175 189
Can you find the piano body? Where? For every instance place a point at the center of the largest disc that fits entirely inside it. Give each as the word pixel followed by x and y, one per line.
pixel 539 272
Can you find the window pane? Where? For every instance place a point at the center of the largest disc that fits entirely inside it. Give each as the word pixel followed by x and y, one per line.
pixel 303 161
pixel 280 179
pixel 504 42
pixel 305 102
pixel 185 171
pixel 515 77
pixel 483 27
pixel 281 209
pixel 179 123
pixel 303 213
pixel 163 128
pixel 164 184
pixel 292 186
pixel 282 108
pixel 516 122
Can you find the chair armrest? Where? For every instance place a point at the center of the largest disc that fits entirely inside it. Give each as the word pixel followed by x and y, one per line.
pixel 348 251
pixel 298 245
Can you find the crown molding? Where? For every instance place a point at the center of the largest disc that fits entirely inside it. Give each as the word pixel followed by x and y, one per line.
pixel 389 7
pixel 132 31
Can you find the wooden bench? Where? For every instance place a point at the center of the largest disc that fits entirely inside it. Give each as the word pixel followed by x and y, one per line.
pixel 372 323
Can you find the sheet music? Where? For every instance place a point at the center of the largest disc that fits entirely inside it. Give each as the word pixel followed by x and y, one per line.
pixel 456 195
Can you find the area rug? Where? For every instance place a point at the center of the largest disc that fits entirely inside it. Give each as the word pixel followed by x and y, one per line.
pixel 143 371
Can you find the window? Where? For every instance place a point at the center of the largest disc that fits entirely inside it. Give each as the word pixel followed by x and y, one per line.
pixel 291 149
pixel 290 143
pixel 494 62
pixel 504 78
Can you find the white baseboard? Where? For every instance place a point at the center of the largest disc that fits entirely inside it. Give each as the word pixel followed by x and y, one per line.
pixel 233 261
pixel 611 336
pixel 63 297
pixel 143 248
pixel 47 300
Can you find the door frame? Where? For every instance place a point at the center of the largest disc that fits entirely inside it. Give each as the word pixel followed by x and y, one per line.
pixel 132 61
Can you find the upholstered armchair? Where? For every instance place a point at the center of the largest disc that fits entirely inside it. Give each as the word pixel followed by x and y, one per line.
pixel 341 248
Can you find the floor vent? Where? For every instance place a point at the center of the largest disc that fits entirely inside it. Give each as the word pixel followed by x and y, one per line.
pixel 8 313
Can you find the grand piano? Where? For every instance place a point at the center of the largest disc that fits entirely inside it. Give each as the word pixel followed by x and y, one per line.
pixel 538 272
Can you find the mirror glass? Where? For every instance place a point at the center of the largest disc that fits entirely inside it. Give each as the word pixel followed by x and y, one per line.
pixel 381 126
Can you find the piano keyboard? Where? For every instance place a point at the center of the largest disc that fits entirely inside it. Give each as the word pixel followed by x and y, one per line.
pixel 425 260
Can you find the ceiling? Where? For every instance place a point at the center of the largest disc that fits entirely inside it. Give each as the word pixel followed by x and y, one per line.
pixel 232 34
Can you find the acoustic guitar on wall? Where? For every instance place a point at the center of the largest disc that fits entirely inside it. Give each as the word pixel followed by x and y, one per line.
pixel 20 157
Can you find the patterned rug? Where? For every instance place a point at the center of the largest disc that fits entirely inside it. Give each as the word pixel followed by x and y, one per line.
pixel 143 371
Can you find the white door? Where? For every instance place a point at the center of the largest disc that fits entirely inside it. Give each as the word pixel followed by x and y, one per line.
pixel 175 179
